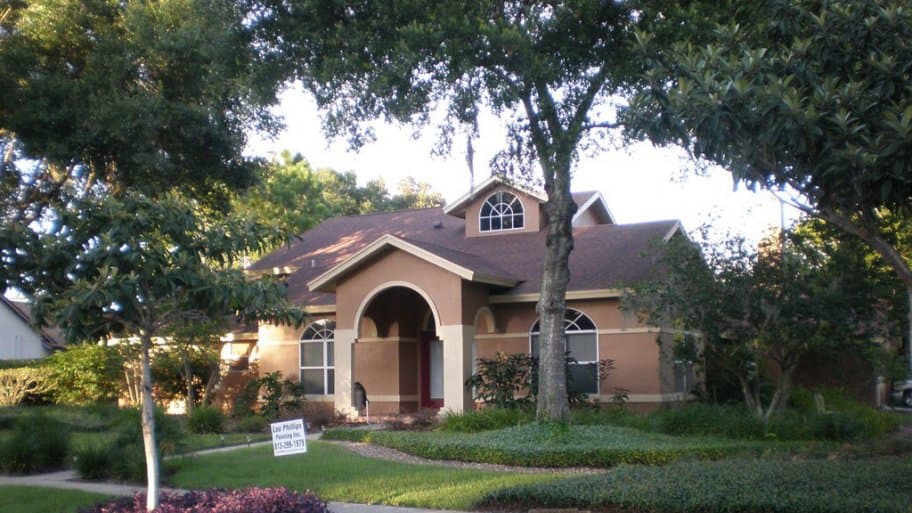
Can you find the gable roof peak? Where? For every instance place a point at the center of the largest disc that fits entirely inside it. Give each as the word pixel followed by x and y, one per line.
pixel 458 207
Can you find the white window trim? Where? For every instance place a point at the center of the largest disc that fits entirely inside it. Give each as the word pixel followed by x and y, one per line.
pixel 325 367
pixel 571 320
pixel 499 195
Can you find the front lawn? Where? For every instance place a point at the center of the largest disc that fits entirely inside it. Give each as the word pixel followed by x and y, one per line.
pixel 335 473
pixel 556 445
pixel 32 499
pixel 809 486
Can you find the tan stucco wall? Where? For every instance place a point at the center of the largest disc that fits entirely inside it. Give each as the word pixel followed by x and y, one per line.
pixel 532 221
pixel 397 268
pixel 387 368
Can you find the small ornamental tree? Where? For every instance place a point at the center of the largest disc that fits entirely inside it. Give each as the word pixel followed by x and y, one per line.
pixel 132 267
pixel 758 313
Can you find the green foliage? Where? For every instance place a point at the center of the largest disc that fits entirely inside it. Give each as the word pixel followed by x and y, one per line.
pixel 206 419
pixel 759 311
pixel 272 391
pixel 553 445
pixel 20 384
pixel 849 422
pixel 93 91
pixel 795 486
pixel 173 365
pixel 252 424
pixel 505 381
pixel 805 96
pixel 85 374
pixel 485 419
pixel 38 443
pixel 122 457
pixel 294 197
pixel 39 499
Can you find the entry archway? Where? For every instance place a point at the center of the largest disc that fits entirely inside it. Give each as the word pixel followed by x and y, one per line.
pixel 399 361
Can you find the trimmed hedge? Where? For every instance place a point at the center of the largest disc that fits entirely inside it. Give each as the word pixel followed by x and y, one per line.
pixel 743 486
pixel 555 445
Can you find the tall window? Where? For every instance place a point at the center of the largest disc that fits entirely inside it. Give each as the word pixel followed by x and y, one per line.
pixel 317 363
pixel 581 341
pixel 501 211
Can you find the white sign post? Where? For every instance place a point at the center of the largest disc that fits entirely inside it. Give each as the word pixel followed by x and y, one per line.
pixel 288 437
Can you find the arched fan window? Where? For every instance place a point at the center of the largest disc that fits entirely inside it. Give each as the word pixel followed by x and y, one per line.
pixel 501 211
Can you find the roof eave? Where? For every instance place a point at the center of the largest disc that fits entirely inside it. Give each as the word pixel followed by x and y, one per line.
pixel 326 281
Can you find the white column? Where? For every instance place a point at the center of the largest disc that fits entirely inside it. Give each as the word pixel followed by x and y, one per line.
pixel 457 365
pixel 344 339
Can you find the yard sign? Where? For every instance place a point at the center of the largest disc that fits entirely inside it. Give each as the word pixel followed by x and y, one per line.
pixel 288 437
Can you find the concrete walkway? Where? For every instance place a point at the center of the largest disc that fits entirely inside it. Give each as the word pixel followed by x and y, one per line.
pixel 67 479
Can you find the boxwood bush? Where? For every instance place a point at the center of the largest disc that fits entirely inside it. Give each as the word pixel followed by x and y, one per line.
pixel 555 445
pixel 755 486
pixel 248 500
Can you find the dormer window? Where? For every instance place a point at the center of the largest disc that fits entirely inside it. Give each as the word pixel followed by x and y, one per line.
pixel 501 211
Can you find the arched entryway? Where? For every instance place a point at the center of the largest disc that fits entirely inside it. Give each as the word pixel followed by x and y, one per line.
pixel 398 356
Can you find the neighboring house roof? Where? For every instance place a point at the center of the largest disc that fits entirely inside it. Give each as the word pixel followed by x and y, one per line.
pixel 605 256
pixel 51 337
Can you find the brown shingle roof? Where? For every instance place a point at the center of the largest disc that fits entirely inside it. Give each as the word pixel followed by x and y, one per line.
pixel 604 256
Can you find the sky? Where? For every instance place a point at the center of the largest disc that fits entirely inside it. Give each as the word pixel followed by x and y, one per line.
pixel 639 183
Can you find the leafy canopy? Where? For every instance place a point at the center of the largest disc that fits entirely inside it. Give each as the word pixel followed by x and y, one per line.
pixel 806 95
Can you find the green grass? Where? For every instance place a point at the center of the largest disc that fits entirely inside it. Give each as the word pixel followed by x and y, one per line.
pixel 32 499
pixel 755 486
pixel 550 445
pixel 335 473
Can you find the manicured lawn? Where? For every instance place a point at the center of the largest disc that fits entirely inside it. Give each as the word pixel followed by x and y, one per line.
pixel 808 486
pixel 550 445
pixel 335 473
pixel 28 499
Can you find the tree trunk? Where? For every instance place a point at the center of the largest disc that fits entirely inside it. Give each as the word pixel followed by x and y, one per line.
pixel 781 394
pixel 188 381
pixel 148 427
pixel 752 402
pixel 552 304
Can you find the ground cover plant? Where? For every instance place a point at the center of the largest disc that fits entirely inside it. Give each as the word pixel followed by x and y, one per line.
pixel 32 499
pixel 739 485
pixel 559 445
pixel 335 473
pixel 247 500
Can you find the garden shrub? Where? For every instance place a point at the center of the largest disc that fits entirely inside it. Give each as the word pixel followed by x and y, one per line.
pixel 555 445
pixel 248 500
pixel 485 419
pixel 18 384
pixel 799 486
pixel 123 458
pixel 85 374
pixel 206 419
pixel 252 424
pixel 37 443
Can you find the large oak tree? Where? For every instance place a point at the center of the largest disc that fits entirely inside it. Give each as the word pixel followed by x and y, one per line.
pixel 548 69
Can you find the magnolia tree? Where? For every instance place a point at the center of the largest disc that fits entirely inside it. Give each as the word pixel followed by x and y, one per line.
pixel 132 267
